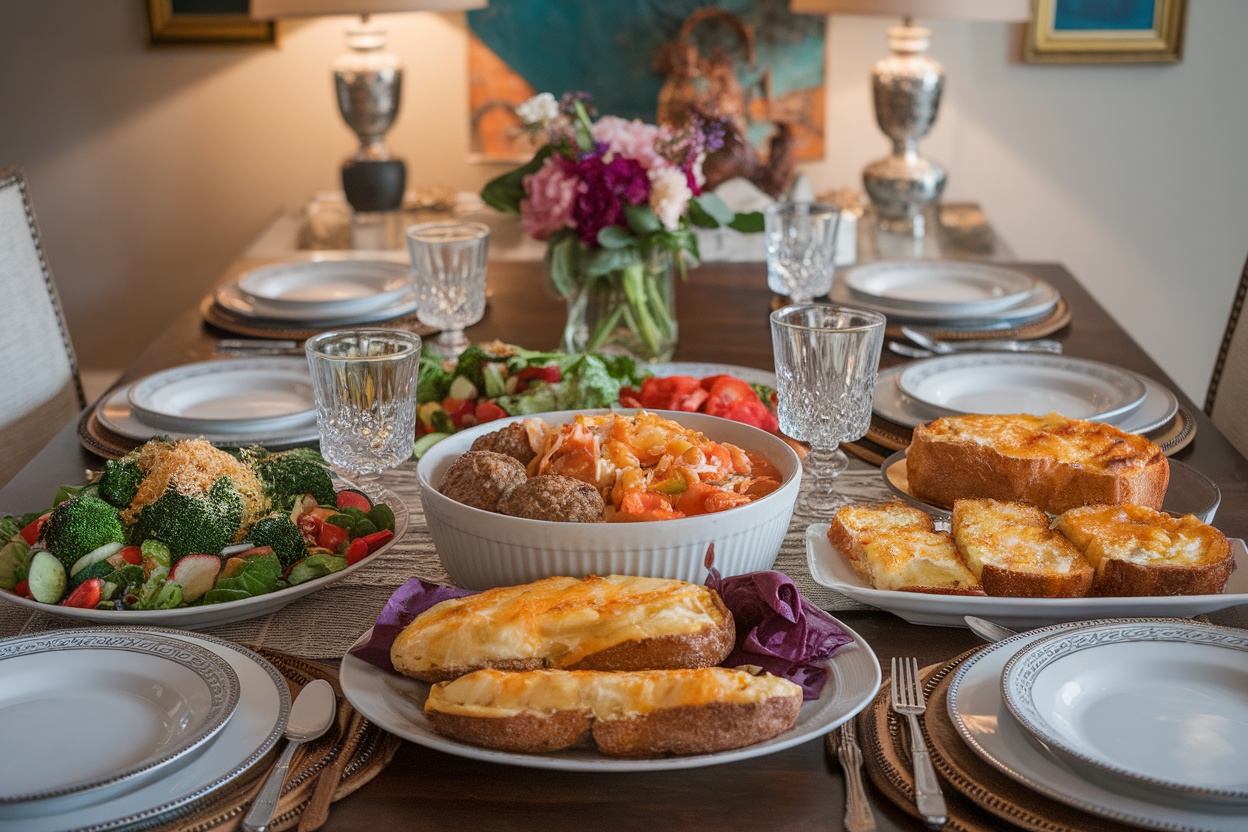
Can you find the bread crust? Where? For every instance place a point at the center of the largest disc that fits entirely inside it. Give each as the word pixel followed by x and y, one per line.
pixel 702 729
pixel 1122 578
pixel 706 648
pixel 524 733
pixel 944 464
pixel 1016 554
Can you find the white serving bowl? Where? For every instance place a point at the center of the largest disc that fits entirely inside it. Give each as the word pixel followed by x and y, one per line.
pixel 481 549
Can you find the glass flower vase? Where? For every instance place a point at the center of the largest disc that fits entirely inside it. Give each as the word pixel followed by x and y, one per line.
pixel 629 311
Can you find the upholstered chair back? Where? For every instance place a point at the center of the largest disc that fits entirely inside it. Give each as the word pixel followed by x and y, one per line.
pixel 1227 400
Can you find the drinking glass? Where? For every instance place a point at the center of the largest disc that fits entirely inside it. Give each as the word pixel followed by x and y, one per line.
pixel 448 265
pixel 365 385
pixel 801 248
pixel 827 359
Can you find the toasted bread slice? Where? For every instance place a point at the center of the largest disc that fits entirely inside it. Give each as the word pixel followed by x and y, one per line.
pixel 1011 549
pixel 1139 551
pixel 896 547
pixel 1053 461
pixel 647 713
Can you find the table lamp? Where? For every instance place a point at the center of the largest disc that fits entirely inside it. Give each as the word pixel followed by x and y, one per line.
pixel 907 86
pixel 368 81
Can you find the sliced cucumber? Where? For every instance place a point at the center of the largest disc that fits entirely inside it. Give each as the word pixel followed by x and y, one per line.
pixel 46 576
pixel 99 569
pixel 426 442
pixel 95 556
pixel 462 388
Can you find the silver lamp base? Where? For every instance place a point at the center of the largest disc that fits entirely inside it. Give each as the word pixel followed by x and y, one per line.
pixel 900 187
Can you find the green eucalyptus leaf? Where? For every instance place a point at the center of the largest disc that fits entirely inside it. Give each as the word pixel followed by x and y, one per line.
pixel 715 207
pixel 642 220
pixel 610 260
pixel 699 217
pixel 616 236
pixel 505 192
pixel 562 253
pixel 750 223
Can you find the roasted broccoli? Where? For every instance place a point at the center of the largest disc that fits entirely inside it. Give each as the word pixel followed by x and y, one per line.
pixel 288 475
pixel 204 524
pixel 119 482
pixel 278 532
pixel 470 364
pixel 81 525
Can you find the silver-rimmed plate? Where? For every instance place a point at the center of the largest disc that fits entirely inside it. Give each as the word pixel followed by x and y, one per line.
pixel 1157 705
pixel 251 732
pixel 1036 383
pixel 954 286
pixel 242 395
pixel 396 703
pixel 1035 304
pixel 1156 410
pixel 325 287
pixel 109 708
pixel 229 297
pixel 979 715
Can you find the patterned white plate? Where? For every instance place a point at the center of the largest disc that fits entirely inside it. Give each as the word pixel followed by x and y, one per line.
pixel 955 286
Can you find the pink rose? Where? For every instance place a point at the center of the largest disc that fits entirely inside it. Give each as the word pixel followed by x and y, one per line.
pixel 550 196
pixel 634 139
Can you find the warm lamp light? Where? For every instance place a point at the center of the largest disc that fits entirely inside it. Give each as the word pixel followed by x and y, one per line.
pixel 368 81
pixel 907 87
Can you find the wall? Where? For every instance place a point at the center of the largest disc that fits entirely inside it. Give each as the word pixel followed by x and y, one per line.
pixel 152 168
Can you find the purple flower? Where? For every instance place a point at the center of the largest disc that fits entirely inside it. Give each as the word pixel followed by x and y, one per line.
pixel 606 187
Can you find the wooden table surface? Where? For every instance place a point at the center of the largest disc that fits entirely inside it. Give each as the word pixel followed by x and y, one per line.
pixel 722 311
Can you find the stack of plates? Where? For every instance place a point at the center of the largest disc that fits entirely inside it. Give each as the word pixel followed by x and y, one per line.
pixel 948 294
pixel 1142 721
pixel 252 401
pixel 1036 383
pixel 113 727
pixel 329 290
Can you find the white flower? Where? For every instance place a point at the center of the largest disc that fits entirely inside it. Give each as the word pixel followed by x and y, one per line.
pixel 538 110
pixel 669 194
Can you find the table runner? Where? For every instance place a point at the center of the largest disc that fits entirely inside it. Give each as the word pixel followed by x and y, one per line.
pixel 324 625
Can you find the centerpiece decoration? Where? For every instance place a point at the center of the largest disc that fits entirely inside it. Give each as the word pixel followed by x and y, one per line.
pixel 616 202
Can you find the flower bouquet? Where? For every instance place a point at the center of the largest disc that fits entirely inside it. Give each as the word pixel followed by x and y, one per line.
pixel 616 202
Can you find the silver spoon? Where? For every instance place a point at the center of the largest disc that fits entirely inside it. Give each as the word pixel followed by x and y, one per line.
pixel 310 716
pixel 988 630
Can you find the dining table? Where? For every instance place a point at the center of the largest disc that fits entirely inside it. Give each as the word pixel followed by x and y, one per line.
pixel 722 309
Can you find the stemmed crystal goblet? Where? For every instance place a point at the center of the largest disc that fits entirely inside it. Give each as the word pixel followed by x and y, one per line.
pixel 827 360
pixel 801 248
pixel 448 269
pixel 365 386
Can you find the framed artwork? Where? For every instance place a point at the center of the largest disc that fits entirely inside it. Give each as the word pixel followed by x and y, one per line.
pixel 1105 31
pixel 188 22
pixel 628 55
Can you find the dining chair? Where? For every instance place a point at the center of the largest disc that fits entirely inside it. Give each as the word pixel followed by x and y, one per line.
pixel 1227 399
pixel 40 389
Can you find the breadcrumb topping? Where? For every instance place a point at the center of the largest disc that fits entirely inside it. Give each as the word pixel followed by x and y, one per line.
pixel 191 467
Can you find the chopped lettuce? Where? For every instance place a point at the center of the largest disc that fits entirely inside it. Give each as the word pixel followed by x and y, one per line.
pixel 252 575
pixel 158 592
pixel 315 566
pixel 14 553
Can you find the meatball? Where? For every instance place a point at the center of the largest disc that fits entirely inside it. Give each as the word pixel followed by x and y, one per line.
pixel 554 497
pixel 512 440
pixel 481 478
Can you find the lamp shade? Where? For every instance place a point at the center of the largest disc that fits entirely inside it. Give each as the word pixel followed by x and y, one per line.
pixel 1009 11
pixel 270 9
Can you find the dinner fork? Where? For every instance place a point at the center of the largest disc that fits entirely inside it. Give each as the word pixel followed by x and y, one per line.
pixel 908 700
pixel 858 817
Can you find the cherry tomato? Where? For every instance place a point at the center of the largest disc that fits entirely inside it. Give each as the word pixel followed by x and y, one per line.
pixel 488 411
pixel 86 596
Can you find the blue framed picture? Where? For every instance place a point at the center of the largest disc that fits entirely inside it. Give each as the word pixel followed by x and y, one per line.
pixel 1105 31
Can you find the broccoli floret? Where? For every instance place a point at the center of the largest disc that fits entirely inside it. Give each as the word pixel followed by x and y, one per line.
pixel 200 524
pixel 470 363
pixel 278 532
pixel 289 475
pixel 81 525
pixel 119 482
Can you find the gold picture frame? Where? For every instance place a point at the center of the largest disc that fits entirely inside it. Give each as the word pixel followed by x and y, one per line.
pixel 1082 31
pixel 206 22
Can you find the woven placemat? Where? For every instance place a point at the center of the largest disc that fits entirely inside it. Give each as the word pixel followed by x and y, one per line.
pixel 217 316
pixel 368 748
pixel 100 440
pixel 1047 324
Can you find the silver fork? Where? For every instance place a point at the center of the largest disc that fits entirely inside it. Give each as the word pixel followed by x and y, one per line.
pixel 908 700
pixel 858 817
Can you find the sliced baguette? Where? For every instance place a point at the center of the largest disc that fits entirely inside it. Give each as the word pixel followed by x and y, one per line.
pixel 616 622
pixel 1011 549
pixel 625 714
pixel 854 526
pixel 1052 461
pixel 1138 551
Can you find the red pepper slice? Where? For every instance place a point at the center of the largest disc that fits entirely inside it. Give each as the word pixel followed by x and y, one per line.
pixel 32 531
pixel 357 551
pixel 376 540
pixel 331 537
pixel 550 374
pixel 86 596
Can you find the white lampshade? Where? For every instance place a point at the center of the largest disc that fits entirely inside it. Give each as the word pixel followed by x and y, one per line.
pixel 271 9
pixel 1009 11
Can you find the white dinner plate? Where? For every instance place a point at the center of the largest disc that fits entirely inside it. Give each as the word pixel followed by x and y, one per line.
pixel 1036 383
pixel 121 707
pixel 239 395
pixel 226 612
pixel 231 299
pixel 954 286
pixel 1160 705
pixel 830 568
pixel 325 288
pixel 982 720
pixel 1156 410
pixel 251 732
pixel 1034 305
pixel 1187 492
pixel 116 414
pixel 396 703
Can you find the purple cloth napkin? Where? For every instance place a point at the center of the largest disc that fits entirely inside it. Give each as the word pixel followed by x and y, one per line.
pixel 777 629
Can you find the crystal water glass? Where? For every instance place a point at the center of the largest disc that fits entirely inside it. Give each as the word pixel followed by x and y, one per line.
pixel 365 386
pixel 448 268
pixel 801 248
pixel 827 360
